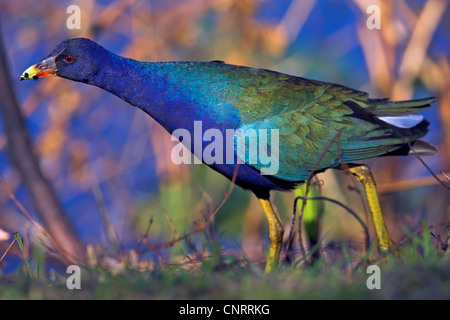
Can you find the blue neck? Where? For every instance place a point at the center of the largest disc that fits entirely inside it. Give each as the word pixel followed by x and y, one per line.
pixel 175 94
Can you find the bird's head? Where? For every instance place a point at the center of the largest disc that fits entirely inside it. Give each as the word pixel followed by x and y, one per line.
pixel 75 59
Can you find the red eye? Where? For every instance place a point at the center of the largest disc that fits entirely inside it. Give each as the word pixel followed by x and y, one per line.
pixel 69 59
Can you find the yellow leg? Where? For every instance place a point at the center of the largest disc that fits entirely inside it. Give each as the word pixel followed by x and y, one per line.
pixel 364 176
pixel 275 235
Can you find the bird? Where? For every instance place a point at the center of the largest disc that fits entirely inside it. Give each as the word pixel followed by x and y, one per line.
pixel 317 125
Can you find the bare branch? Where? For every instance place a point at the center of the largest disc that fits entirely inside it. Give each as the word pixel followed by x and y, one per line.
pixel 201 225
pixel 21 155
pixel 445 185
pixel 363 225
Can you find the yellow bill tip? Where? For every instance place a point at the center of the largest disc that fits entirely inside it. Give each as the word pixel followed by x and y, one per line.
pixel 44 68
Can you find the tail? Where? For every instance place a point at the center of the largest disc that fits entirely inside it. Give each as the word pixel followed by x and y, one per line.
pixel 385 107
pixel 396 132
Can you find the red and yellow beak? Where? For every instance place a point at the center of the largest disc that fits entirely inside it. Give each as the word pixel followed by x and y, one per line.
pixel 44 68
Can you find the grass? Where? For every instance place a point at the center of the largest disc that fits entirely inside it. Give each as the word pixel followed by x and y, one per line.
pixel 418 271
pixel 24 252
pixel 198 265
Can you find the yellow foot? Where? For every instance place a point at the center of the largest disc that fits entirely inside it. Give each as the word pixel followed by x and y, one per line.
pixel 364 176
pixel 275 235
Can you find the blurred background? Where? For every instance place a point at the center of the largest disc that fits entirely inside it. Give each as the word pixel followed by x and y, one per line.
pixel 110 163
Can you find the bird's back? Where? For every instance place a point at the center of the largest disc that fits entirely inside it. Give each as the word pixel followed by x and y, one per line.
pixel 307 114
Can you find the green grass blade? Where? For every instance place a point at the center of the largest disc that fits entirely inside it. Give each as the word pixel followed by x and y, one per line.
pixel 25 256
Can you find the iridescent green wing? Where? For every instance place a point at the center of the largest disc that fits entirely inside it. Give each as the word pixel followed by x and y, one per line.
pixel 313 121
